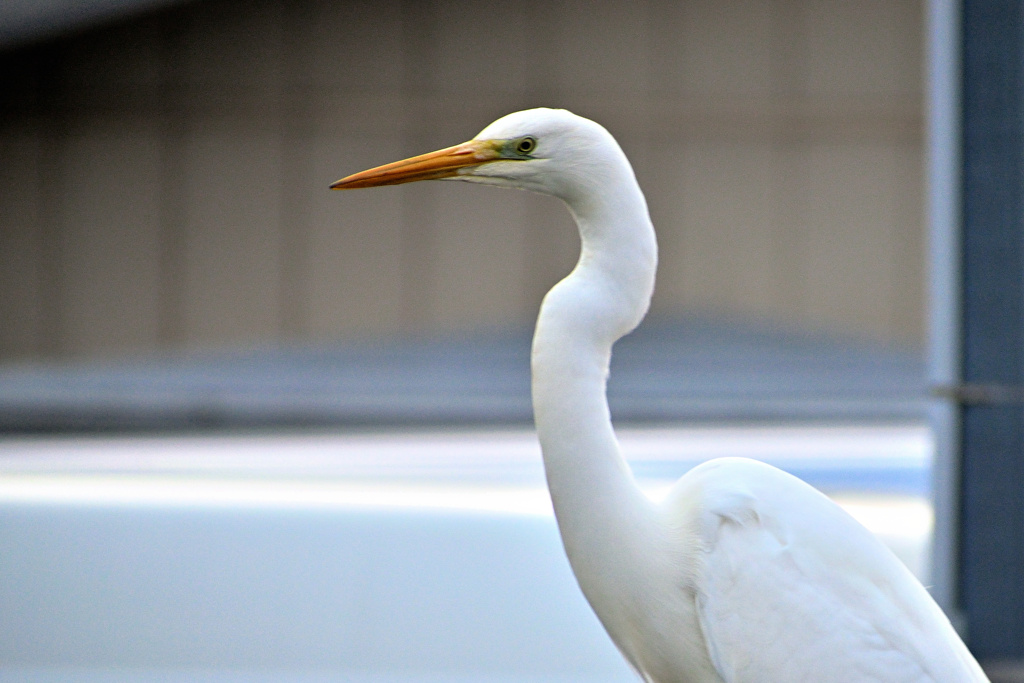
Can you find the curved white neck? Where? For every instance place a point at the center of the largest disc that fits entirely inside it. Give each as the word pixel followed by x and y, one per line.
pixel 595 498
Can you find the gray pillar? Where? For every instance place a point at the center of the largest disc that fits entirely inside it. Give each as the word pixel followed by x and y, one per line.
pixel 991 557
pixel 945 211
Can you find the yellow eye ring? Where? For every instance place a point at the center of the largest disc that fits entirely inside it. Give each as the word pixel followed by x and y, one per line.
pixel 526 145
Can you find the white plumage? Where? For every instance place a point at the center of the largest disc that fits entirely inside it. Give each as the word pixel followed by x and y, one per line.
pixel 743 573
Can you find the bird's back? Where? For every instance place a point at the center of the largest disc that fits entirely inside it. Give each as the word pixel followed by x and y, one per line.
pixel 788 587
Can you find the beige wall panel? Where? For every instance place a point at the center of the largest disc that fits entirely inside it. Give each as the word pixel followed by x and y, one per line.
pixel 232 239
pixel 792 170
pixel 479 259
pixel 665 185
pixel 21 271
pixel 481 47
pixel 231 55
pixel 350 45
pixel 666 30
pixel 729 236
pixel 826 235
pixel 730 255
pixel 909 276
pixel 724 48
pixel 553 246
pixel 778 143
pixel 853 200
pixel 638 148
pixel 110 233
pixel 863 47
pixel 96 74
pixel 358 115
pixel 419 244
pixel 603 49
pixel 354 259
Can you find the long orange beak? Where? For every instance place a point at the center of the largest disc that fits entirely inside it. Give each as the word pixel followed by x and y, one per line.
pixel 443 163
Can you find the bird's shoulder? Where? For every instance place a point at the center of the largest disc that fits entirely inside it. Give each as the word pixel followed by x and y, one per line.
pixel 749 493
pixel 786 581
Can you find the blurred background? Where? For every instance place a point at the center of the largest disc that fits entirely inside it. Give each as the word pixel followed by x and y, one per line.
pixel 165 176
pixel 170 246
pixel 254 428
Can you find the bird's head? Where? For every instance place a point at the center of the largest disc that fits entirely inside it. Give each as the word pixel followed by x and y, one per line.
pixel 551 151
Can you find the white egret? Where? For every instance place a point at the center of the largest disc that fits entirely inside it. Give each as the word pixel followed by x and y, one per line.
pixel 743 573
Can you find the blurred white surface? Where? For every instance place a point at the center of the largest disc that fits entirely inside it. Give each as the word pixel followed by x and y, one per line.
pixel 383 557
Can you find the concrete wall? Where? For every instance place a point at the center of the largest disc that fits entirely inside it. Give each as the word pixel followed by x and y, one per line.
pixel 163 183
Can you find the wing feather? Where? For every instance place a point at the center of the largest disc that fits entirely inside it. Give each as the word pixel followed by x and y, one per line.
pixel 790 588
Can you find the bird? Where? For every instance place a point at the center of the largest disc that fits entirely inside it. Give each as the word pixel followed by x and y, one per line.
pixel 743 573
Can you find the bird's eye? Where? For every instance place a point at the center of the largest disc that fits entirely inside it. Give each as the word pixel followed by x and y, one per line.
pixel 526 145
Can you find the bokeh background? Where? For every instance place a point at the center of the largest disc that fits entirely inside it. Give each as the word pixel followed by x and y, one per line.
pixel 252 429
pixel 165 175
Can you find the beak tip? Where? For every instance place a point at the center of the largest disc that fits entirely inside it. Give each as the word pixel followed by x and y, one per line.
pixel 444 163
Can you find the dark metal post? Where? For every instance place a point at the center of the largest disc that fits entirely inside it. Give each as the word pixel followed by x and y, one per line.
pixel 991 557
